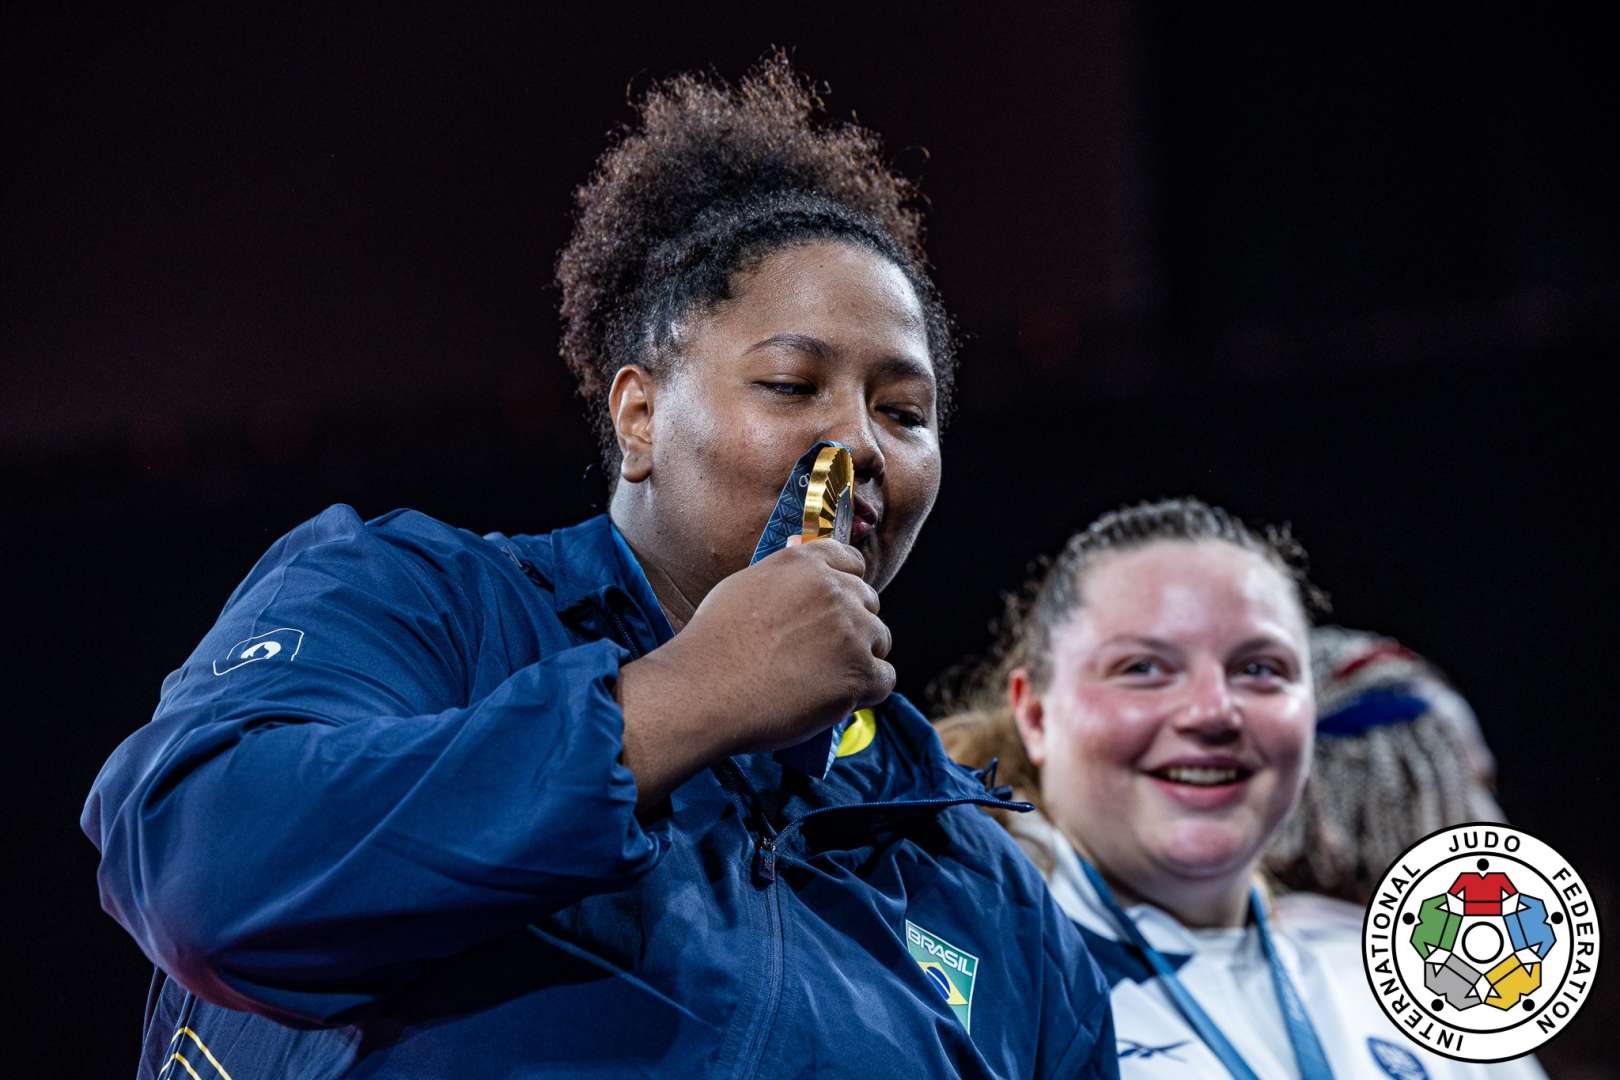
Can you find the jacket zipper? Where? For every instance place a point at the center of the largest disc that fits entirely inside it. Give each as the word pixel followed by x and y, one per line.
pixel 764 869
pixel 745 798
pixel 767 841
pixel 773 984
pixel 625 637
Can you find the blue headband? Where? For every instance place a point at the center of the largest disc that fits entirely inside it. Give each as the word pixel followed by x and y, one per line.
pixel 1370 709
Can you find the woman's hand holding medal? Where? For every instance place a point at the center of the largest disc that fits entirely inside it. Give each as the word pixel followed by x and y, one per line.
pixel 775 653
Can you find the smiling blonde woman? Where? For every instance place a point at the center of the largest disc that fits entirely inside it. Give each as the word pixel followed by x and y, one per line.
pixel 1153 696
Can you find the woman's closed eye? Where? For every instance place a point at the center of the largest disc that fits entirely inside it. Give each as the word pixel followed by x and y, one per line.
pixel 787 389
pixel 904 415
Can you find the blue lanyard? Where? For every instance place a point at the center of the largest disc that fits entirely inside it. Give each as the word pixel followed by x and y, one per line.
pixel 1307 1047
pixel 1308 1053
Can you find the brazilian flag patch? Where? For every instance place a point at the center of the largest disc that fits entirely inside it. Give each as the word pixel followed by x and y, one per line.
pixel 949 970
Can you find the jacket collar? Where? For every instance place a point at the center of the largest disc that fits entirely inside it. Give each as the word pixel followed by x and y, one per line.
pixel 937 775
pixel 587 561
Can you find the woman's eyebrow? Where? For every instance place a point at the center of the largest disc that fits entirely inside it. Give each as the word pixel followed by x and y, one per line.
pixel 906 368
pixel 821 350
pixel 1266 641
pixel 1151 643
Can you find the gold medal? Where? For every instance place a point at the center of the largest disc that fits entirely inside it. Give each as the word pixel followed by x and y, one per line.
pixel 829 497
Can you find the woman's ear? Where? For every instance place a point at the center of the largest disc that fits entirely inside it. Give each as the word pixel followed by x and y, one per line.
pixel 1028 714
pixel 630 406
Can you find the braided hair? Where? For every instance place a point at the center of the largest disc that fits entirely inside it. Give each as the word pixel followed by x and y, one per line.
pixel 979 726
pixel 1393 762
pixel 710 181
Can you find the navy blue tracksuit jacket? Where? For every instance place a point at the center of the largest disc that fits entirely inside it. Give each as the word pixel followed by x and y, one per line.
pixel 378 826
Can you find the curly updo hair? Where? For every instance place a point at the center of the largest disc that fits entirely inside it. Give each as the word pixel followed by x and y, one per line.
pixel 710 181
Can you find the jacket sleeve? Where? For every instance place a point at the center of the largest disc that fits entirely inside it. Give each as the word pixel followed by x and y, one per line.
pixel 1077 1038
pixel 300 829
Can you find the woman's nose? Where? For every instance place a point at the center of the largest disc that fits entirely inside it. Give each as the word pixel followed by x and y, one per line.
pixel 853 427
pixel 1210 710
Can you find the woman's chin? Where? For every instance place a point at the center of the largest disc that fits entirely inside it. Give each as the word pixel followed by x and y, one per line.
pixel 1204 850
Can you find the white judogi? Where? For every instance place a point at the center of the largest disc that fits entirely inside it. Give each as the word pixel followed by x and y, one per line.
pixel 1226 972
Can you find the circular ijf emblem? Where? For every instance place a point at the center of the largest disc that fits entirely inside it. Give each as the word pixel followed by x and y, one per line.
pixel 1480 942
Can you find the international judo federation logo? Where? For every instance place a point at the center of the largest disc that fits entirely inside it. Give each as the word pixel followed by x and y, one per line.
pixel 1480 942
pixel 949 970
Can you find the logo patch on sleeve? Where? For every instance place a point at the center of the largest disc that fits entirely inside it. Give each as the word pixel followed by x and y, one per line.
pixel 949 970
pixel 281 643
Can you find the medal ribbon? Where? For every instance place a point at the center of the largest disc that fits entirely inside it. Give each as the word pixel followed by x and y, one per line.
pixel 1308 1052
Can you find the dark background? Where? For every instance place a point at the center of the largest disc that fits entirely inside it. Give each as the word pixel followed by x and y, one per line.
pixel 1355 271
